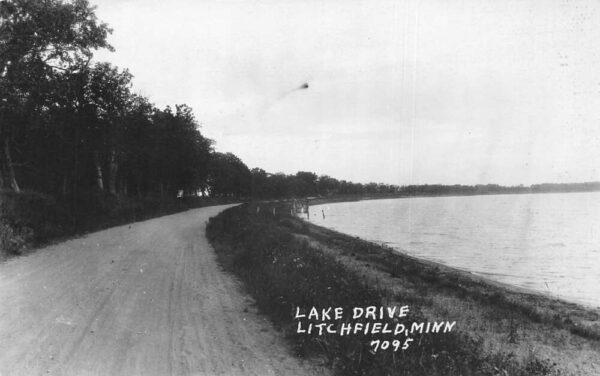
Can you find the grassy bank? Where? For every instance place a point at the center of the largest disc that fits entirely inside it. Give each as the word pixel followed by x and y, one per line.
pixel 30 219
pixel 286 263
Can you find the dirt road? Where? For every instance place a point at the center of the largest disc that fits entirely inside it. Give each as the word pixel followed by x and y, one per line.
pixel 140 299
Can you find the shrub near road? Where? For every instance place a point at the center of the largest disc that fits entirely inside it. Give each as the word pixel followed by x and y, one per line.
pixel 283 270
pixel 29 219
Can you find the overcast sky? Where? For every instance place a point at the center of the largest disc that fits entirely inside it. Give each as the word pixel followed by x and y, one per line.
pixel 461 91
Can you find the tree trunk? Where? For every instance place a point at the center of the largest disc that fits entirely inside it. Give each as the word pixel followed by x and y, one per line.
pixel 2 174
pixel 113 167
pixel 12 178
pixel 99 177
pixel 65 185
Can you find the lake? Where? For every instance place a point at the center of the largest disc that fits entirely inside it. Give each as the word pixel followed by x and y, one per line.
pixel 549 243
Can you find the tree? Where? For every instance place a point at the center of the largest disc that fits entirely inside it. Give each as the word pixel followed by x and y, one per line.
pixel 180 154
pixel 137 140
pixel 259 183
pixel 305 184
pixel 38 38
pixel 328 185
pixel 229 176
pixel 108 96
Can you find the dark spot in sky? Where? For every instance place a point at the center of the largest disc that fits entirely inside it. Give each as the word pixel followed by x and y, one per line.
pixel 304 85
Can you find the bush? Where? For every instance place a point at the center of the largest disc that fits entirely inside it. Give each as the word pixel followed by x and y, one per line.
pixel 12 241
pixel 29 217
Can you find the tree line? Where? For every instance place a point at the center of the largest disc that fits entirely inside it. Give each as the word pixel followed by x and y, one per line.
pixel 74 128
pixel 258 184
pixel 70 127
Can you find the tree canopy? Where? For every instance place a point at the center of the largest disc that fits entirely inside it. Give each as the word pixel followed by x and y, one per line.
pixel 38 39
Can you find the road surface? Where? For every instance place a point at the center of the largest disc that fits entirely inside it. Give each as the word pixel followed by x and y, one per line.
pixel 140 299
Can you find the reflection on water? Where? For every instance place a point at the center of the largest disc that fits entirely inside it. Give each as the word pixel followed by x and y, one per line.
pixel 544 242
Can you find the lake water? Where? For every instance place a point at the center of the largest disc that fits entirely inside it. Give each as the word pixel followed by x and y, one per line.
pixel 545 242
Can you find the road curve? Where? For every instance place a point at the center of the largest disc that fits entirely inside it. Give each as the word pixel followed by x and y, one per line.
pixel 140 299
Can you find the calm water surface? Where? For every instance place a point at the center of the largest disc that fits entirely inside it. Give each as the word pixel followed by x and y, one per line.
pixel 545 242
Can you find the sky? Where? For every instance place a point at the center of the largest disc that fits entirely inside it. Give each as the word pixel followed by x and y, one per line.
pixel 400 92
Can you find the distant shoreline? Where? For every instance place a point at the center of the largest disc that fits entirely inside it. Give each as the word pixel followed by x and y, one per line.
pixel 351 198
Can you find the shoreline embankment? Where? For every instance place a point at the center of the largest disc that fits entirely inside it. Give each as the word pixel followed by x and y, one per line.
pixel 287 263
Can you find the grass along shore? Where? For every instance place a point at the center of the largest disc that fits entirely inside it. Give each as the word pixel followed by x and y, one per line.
pixel 287 263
